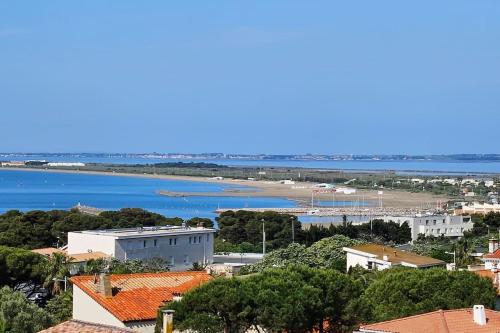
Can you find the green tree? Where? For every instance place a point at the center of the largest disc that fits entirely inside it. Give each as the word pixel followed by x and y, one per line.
pixel 18 315
pixel 221 305
pixel 61 307
pixel 20 268
pixel 326 253
pixel 404 292
pixel 55 268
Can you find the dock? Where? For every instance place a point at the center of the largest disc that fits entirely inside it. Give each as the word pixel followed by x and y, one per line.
pixel 88 210
pixel 325 211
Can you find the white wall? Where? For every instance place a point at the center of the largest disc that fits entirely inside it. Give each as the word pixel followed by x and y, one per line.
pixel 86 309
pixel 81 243
pixel 201 252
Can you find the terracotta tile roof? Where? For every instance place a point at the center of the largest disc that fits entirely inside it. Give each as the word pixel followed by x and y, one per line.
pixel 138 296
pixel 449 321
pixel 73 326
pixel 494 276
pixel 48 251
pixel 494 255
pixel 396 256
pixel 81 257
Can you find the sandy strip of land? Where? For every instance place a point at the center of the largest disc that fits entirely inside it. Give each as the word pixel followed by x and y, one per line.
pixel 300 191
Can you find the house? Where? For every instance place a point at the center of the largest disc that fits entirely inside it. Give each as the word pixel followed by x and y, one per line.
pixel 434 225
pixel 374 256
pixel 73 326
pixel 179 246
pixel 129 300
pixel 77 260
pixel 492 258
pixel 477 320
pixel 477 208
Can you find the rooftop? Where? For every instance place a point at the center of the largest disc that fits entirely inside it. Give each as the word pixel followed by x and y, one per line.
pixel 83 257
pixel 138 296
pixel 48 251
pixel 75 257
pixel 494 255
pixel 449 321
pixel 395 256
pixel 72 326
pixel 146 231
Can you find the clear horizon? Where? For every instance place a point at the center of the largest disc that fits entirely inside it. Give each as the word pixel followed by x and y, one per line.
pixel 257 78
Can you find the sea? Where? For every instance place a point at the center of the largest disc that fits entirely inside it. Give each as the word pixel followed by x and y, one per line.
pixel 409 167
pixel 31 190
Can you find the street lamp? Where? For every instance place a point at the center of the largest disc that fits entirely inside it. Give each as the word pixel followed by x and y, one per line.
pixel 263 238
pixel 454 258
pixel 65 280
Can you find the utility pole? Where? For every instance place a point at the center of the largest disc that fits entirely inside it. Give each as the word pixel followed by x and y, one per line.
pixel 263 238
pixel 293 230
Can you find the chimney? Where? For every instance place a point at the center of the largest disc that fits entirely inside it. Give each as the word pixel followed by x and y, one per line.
pixel 105 285
pixel 168 321
pixel 492 245
pixel 176 296
pixel 479 315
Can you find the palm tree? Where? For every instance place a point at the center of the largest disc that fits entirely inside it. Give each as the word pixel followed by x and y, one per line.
pixel 55 268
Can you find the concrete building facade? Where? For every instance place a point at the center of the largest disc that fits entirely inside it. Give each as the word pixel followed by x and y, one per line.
pixel 434 225
pixel 180 247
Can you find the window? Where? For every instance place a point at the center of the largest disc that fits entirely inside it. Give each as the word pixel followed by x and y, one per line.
pixel 172 260
pixel 186 259
pixel 155 243
pixel 144 243
pixel 175 241
pixel 199 239
pixel 370 265
pixel 170 241
pixel 190 240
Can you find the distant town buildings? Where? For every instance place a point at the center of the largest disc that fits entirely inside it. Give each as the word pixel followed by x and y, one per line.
pixel 65 164
pixel 477 320
pixel 129 300
pixel 179 246
pixel 434 225
pixel 379 257
pixel 477 208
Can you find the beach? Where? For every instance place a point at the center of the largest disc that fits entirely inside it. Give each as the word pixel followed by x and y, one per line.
pixel 299 191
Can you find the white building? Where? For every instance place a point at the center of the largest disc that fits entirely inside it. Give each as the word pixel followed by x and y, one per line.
pixel 477 208
pixel 379 257
pixel 179 246
pixel 65 164
pixel 434 225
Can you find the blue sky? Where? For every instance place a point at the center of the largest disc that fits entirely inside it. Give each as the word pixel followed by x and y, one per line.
pixel 250 76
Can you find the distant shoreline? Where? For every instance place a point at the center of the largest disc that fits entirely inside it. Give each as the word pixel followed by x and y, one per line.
pixel 299 192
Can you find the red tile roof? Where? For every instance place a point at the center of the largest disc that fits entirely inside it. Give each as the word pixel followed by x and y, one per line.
pixel 449 321
pixel 138 296
pixel 73 326
pixel 494 255
pixel 494 276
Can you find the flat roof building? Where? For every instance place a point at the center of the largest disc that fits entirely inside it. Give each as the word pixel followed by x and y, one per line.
pixel 180 247
pixel 434 225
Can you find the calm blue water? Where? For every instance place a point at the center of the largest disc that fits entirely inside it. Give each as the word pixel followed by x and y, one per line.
pixel 24 190
pixel 403 167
